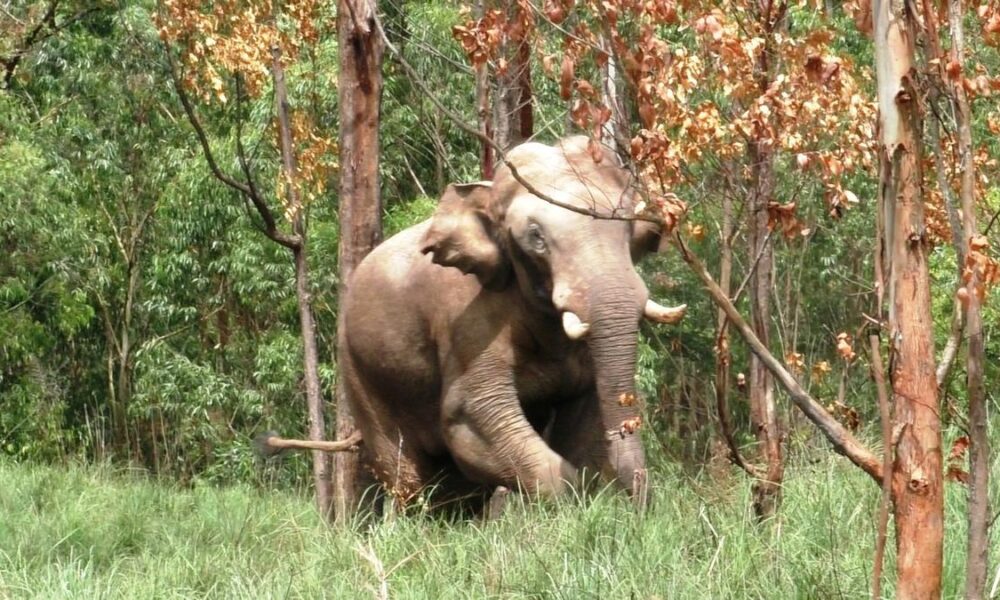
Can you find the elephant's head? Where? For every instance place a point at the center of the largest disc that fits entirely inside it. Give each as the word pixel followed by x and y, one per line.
pixel 578 268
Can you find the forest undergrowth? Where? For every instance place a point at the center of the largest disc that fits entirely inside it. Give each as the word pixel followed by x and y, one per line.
pixel 89 531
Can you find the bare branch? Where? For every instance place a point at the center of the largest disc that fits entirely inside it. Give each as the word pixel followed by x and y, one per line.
pixel 175 332
pixel 842 440
pixel 45 29
pixel 241 154
pixel 10 63
pixel 952 345
pixel 114 231
pixel 753 267
pixel 270 225
pixel 501 154
pixel 996 215
pixel 269 444
pixel 288 164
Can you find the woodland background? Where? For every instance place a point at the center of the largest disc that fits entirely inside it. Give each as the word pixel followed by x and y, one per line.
pixel 149 315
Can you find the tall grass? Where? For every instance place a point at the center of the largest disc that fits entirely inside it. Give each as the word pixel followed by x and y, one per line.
pixel 93 532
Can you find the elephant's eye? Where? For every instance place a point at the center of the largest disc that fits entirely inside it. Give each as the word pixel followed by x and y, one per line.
pixel 536 239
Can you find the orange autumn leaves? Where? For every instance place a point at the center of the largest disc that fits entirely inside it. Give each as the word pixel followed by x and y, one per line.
pixel 811 110
pixel 226 37
pixel 226 40
pixel 980 271
pixel 702 103
pixel 796 362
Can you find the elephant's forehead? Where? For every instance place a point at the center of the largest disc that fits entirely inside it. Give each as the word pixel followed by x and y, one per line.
pixel 567 174
pixel 525 203
pixel 566 189
pixel 559 222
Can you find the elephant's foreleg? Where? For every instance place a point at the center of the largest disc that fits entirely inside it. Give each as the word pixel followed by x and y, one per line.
pixel 493 442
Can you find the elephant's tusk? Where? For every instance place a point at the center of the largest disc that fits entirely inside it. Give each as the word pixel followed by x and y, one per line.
pixel 574 327
pixel 662 314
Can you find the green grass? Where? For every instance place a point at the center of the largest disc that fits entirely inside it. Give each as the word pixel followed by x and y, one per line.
pixel 93 532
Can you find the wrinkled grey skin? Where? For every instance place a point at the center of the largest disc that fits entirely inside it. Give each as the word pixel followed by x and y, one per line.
pixel 459 369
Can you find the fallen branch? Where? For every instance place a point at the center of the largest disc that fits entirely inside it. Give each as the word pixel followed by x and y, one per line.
pixel 843 441
pixel 269 444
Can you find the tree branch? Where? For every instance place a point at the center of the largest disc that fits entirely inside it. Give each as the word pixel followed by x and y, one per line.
pixel 10 63
pixel 500 153
pixel 268 444
pixel 723 355
pixel 953 344
pixel 271 230
pixel 842 440
pixel 241 154
pixel 289 168
pixel 756 261
pixel 992 221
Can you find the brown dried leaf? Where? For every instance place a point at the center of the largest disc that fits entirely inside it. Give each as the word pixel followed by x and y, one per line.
pixel 957 474
pixel 820 370
pixel 844 348
pixel 795 362
pixel 566 77
pixel 695 232
pixel 958 448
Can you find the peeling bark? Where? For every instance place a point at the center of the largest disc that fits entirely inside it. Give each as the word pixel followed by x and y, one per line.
pixel 917 482
pixel 616 131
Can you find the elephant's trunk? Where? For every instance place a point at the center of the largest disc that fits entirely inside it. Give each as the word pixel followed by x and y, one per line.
pixel 613 342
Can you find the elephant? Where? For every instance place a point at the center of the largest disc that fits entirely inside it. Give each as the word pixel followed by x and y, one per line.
pixel 495 343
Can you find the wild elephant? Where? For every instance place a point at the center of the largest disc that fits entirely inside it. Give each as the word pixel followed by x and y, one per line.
pixel 495 343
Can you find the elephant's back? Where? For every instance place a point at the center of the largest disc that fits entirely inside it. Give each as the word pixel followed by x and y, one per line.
pixel 391 261
pixel 386 332
pixel 396 277
pixel 379 306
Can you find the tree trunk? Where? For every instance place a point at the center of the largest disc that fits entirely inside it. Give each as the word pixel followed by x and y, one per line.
pixel 314 397
pixel 979 452
pixel 310 357
pixel 360 94
pixel 513 114
pixel 484 121
pixel 723 357
pixel 763 412
pixel 615 131
pixel 525 95
pixel 917 478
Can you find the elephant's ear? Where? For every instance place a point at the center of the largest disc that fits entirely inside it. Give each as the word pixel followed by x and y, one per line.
pixel 464 234
pixel 646 238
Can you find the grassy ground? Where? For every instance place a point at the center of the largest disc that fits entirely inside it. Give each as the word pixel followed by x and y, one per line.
pixel 89 532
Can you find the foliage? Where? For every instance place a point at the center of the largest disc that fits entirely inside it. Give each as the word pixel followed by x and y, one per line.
pixel 92 138
pixel 85 531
